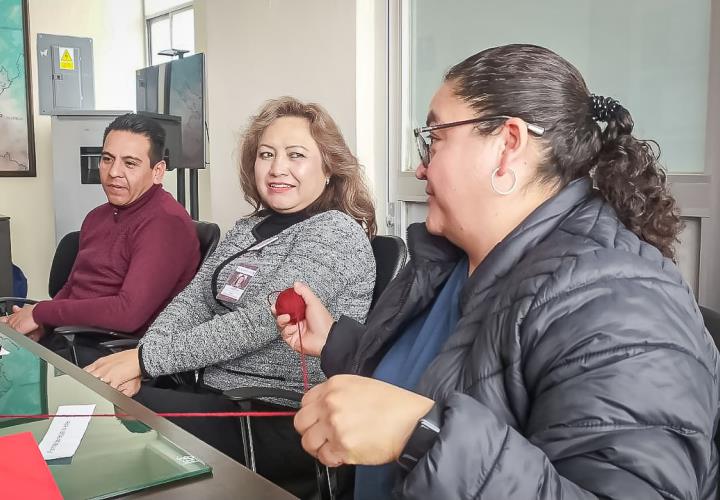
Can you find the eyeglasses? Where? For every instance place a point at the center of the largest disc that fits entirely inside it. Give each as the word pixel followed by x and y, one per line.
pixel 424 140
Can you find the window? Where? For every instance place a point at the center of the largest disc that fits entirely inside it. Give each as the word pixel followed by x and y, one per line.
pixel 651 55
pixel 170 25
pixel 656 57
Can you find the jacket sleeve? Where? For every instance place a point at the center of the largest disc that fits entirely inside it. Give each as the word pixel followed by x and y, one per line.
pixel 623 393
pixel 151 278
pixel 341 344
pixel 327 261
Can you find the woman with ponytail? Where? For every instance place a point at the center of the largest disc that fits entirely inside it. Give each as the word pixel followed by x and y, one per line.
pixel 541 343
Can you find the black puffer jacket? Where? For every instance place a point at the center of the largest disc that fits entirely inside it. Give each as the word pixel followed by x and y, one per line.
pixel 580 366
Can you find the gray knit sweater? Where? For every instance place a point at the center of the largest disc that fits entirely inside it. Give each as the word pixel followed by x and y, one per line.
pixel 241 346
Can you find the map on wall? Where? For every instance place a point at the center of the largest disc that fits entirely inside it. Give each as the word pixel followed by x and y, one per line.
pixel 16 139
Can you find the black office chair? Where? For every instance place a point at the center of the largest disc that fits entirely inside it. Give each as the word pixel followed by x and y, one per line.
pixel 712 323
pixel 60 269
pixel 390 256
pixel 208 235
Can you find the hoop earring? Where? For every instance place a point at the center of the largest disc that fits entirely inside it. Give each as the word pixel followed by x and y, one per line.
pixel 495 188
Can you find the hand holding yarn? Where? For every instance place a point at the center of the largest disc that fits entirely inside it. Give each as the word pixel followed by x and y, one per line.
pixel 314 322
pixel 291 303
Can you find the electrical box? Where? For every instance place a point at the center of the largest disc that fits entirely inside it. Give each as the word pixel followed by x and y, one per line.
pixel 65 73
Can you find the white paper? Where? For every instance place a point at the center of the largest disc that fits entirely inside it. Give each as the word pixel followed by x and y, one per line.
pixel 3 352
pixel 65 433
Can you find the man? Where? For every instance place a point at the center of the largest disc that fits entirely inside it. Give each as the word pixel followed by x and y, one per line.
pixel 136 252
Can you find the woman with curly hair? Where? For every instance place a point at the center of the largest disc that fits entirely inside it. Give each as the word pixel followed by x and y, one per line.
pixel 541 343
pixel 312 221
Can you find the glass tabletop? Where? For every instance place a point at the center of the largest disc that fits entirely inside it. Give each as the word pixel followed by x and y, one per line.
pixel 117 454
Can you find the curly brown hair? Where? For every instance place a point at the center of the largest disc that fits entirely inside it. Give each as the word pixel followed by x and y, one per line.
pixel 347 190
pixel 539 86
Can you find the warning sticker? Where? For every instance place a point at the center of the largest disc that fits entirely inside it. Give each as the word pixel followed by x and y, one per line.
pixel 67 58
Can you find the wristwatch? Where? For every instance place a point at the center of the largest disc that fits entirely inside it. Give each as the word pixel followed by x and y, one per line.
pixel 422 438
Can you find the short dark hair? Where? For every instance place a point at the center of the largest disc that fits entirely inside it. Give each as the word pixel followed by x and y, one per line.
pixel 143 125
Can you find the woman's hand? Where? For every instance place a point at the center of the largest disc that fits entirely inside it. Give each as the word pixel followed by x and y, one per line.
pixel 131 387
pixel 117 369
pixel 315 327
pixel 357 420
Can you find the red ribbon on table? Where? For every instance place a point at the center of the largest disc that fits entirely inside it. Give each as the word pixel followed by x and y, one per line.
pixel 219 414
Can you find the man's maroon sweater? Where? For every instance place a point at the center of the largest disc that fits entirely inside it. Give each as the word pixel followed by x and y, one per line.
pixel 132 261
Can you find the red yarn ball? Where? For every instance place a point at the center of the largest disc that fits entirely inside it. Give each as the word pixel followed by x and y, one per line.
pixel 289 302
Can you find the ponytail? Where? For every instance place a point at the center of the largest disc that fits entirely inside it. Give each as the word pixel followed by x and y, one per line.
pixel 629 177
pixel 537 85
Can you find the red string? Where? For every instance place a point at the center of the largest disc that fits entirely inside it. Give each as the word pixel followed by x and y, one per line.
pixel 219 414
pixel 222 414
pixel 303 361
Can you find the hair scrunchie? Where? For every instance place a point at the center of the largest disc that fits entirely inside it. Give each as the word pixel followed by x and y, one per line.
pixel 603 108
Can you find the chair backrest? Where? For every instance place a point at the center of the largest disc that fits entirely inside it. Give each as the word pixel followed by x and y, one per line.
pixel 63 261
pixel 712 323
pixel 209 235
pixel 390 256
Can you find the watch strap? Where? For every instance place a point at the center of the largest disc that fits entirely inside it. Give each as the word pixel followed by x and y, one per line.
pixel 422 439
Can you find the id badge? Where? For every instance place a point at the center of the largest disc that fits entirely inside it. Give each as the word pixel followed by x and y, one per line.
pixel 237 282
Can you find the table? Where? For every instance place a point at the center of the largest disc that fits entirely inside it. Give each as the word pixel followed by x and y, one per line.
pixel 112 440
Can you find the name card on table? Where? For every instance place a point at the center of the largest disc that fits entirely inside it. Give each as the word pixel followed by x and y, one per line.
pixel 65 433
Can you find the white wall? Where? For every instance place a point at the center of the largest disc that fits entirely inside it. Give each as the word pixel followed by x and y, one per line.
pixel 261 49
pixel 116 26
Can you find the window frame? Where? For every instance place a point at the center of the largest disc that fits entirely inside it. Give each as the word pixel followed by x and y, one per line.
pixel 160 15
